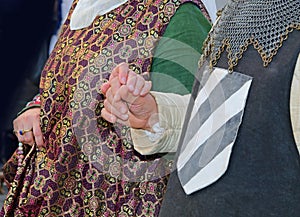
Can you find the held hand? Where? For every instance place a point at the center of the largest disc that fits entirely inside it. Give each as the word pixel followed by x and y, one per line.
pixel 128 77
pixel 134 111
pixel 129 103
pixel 120 71
pixel 27 127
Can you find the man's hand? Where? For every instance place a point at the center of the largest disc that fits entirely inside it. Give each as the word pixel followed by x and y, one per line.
pixel 128 100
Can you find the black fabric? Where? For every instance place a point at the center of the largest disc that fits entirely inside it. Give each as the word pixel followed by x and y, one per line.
pixel 264 170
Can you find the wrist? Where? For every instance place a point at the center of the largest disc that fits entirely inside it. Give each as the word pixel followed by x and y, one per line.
pixel 152 116
pixel 145 113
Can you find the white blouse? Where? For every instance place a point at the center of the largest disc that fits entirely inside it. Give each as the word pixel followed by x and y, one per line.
pixel 87 10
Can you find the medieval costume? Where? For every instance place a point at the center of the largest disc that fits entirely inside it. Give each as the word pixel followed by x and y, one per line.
pixel 88 166
pixel 237 153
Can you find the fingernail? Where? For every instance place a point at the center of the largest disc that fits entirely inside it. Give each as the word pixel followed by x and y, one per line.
pixel 130 87
pixel 123 110
pixel 123 80
pixel 135 92
pixel 125 117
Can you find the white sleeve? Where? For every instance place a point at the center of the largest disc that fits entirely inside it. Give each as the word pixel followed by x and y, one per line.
pixel 171 109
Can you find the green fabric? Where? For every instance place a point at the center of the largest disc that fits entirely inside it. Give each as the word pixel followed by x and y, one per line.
pixel 176 56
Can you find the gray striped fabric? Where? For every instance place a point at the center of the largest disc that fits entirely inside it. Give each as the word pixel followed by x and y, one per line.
pixel 212 129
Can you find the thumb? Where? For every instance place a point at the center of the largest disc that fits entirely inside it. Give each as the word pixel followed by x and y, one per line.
pixel 120 71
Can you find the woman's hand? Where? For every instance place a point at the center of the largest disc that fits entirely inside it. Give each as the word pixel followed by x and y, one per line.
pixel 27 127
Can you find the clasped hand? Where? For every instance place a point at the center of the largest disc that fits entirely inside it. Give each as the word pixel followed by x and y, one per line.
pixel 128 99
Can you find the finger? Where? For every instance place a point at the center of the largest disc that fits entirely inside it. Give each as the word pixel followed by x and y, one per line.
pixel 114 99
pixel 19 137
pixel 139 84
pixel 115 110
pixel 131 81
pixel 114 86
pixel 37 133
pixel 111 118
pixel 27 138
pixel 24 137
pixel 120 71
pixel 104 87
pixel 146 88
pixel 29 120
pixel 123 72
pixel 16 127
pixel 125 95
pixel 123 122
pixel 108 116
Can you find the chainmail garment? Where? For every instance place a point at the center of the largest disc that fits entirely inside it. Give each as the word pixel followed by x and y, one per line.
pixel 240 25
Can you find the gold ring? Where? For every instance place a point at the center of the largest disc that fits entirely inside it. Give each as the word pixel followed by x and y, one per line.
pixel 22 132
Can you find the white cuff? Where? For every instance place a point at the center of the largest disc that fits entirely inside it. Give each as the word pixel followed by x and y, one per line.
pixel 157 132
pixel 166 133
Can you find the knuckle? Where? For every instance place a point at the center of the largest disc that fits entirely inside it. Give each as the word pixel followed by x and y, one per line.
pixel 105 103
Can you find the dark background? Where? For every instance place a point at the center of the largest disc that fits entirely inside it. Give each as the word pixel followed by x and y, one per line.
pixel 25 30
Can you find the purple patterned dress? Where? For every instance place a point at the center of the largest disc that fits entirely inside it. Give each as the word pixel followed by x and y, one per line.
pixel 89 166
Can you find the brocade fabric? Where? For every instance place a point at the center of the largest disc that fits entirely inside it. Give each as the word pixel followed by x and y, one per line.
pixel 89 167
